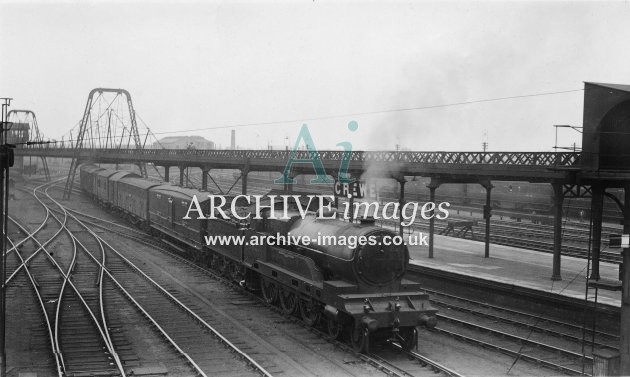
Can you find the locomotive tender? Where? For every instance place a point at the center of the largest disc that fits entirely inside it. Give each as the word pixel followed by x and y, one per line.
pixel 357 293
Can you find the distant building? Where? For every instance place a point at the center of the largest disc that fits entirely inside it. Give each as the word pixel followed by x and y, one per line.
pixel 184 142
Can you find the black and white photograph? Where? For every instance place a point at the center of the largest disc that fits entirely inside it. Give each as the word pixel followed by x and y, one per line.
pixel 314 188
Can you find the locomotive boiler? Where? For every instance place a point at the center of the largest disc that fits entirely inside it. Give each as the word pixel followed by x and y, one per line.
pixel 353 252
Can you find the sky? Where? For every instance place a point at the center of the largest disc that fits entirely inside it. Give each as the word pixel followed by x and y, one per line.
pixel 265 68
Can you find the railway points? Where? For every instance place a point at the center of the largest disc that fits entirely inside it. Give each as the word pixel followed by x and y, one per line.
pixel 543 296
pixel 474 251
pixel 417 366
pixel 197 290
pixel 463 244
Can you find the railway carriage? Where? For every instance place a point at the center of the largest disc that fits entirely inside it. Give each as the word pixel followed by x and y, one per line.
pixel 101 192
pixel 226 257
pixel 168 206
pixel 132 199
pixel 88 178
pixel 113 183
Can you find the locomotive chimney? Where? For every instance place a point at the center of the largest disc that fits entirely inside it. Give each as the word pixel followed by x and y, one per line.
pixel 368 220
pixel 367 217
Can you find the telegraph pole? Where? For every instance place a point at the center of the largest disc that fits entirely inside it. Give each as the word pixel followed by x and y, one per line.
pixel 4 196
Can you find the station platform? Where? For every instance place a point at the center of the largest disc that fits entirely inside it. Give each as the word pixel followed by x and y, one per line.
pixel 512 265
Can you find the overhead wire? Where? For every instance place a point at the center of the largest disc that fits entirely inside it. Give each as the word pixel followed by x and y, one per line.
pixel 279 122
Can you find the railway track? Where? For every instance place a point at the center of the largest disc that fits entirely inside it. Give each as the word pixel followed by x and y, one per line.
pixel 81 341
pixel 525 336
pixel 130 233
pixel 566 365
pixel 26 307
pixel 399 364
pixel 529 321
pixel 539 352
pixel 506 236
pixel 70 317
pixel 410 362
pixel 520 335
pixel 89 277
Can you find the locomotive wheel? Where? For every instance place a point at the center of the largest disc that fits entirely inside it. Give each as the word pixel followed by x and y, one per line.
pixel 334 328
pixel 309 312
pixel 288 301
pixel 359 339
pixel 408 338
pixel 269 291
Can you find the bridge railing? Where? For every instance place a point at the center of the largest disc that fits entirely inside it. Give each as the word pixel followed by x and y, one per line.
pixel 461 158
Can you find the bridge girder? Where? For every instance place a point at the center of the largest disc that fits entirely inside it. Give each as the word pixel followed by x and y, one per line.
pixel 527 166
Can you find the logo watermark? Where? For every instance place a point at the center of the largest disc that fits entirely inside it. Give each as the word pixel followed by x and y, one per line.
pixel 315 160
pixel 284 206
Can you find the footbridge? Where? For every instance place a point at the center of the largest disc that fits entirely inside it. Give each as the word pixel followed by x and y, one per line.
pixel 602 163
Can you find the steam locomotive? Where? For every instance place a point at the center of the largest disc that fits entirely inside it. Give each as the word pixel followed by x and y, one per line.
pixel 356 293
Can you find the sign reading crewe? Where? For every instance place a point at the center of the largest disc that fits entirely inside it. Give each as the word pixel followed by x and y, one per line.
pixel 357 189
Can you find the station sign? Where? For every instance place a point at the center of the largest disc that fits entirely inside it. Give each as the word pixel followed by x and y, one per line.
pixel 619 241
pixel 358 189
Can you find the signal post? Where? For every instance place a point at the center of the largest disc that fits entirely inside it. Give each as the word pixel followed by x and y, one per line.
pixel 6 160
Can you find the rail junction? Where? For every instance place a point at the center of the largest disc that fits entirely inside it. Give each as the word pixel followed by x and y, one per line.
pixel 602 164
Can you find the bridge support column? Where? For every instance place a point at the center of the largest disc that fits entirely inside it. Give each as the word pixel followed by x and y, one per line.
pixel 204 178
pixel 431 221
pixel 244 173
pixel 597 209
pixel 166 173
pixel 182 169
pixel 487 213
pixel 465 199
pixel 624 328
pixel 433 185
pixel 558 198
pixel 401 201
pixel 288 187
pixel 336 203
